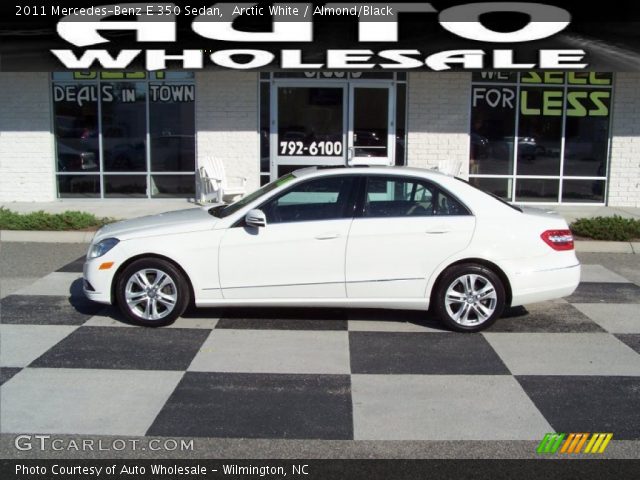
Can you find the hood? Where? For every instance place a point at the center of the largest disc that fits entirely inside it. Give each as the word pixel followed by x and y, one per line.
pixel 179 221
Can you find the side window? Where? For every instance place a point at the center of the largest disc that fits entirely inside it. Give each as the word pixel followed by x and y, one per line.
pixel 321 199
pixel 407 197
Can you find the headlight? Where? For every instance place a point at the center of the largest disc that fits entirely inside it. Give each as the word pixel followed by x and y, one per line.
pixel 98 249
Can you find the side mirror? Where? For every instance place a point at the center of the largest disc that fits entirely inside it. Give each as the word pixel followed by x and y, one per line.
pixel 255 218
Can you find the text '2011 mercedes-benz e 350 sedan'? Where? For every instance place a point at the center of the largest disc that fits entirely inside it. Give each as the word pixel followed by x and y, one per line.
pixel 384 237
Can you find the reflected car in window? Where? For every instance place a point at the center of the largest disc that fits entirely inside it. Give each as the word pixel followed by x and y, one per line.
pixel 385 237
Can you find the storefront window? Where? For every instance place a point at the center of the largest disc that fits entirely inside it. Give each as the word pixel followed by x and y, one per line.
pixel 124 134
pixel 124 127
pixel 172 127
pixel 76 127
pixel 541 137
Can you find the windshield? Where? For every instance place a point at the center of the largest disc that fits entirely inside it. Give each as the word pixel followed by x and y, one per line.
pixel 222 211
pixel 492 195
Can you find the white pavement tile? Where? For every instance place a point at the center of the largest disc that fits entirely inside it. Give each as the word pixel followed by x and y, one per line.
pixel 61 284
pixel 443 407
pixel 387 326
pixel 564 354
pixel 600 274
pixel 107 321
pixel 269 351
pixel 613 317
pixel 78 401
pixel 22 344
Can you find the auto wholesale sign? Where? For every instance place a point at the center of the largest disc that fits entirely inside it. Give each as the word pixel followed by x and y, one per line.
pixel 398 36
pixel 293 23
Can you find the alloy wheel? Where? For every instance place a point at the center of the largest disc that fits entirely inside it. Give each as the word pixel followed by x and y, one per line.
pixel 151 294
pixel 471 300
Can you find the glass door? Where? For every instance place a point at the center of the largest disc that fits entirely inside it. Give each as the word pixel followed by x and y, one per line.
pixel 371 135
pixel 308 125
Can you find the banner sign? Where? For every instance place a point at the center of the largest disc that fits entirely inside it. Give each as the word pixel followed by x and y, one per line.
pixel 308 36
pixel 274 469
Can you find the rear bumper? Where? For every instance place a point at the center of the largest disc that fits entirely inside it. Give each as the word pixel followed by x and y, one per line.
pixel 542 285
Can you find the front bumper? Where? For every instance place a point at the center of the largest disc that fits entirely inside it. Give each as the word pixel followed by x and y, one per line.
pixel 97 283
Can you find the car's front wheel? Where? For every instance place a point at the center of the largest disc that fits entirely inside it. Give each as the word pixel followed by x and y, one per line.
pixel 469 298
pixel 152 292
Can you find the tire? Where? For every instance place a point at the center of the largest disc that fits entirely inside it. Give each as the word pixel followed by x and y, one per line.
pixel 456 300
pixel 144 301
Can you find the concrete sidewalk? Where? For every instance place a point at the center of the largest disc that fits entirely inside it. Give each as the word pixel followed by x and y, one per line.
pixel 131 208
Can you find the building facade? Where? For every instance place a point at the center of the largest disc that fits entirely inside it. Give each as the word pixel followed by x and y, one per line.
pixel 529 137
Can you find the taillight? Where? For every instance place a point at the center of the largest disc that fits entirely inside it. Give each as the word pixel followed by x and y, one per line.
pixel 558 239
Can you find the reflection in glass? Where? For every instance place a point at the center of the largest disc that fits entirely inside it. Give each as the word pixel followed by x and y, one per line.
pixel 537 190
pixel 172 127
pixel 583 191
pixel 123 186
pixel 370 122
pixel 492 130
pixel 307 115
pixel 75 109
pixel 540 131
pixel 500 187
pixel 78 186
pixel 124 126
pixel 172 185
pixel 587 133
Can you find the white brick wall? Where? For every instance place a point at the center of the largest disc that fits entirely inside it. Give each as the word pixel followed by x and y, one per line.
pixel 227 122
pixel 26 142
pixel 439 119
pixel 624 177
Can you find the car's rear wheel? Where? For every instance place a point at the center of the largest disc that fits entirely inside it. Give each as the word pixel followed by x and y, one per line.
pixel 469 298
pixel 152 292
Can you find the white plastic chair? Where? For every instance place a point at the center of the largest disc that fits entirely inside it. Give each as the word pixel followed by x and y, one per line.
pixel 213 183
pixel 449 168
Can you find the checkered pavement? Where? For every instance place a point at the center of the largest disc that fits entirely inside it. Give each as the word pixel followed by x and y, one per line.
pixel 71 366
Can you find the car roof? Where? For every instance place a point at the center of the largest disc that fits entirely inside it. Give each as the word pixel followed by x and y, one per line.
pixel 321 171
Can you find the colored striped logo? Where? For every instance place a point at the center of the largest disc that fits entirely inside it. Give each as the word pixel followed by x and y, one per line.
pixel 574 443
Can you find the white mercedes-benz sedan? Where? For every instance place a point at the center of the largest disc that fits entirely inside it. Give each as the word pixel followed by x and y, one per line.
pixel 384 237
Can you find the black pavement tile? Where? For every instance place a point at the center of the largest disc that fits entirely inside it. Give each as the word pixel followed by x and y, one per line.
pixel 282 319
pixel 588 403
pixel 6 373
pixel 605 293
pixel 74 266
pixel 632 340
pixel 423 353
pixel 415 317
pixel 47 310
pixel 280 324
pixel 548 317
pixel 125 348
pixel 230 405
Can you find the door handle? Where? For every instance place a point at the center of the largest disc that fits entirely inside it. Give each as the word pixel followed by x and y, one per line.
pixel 436 232
pixel 327 236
